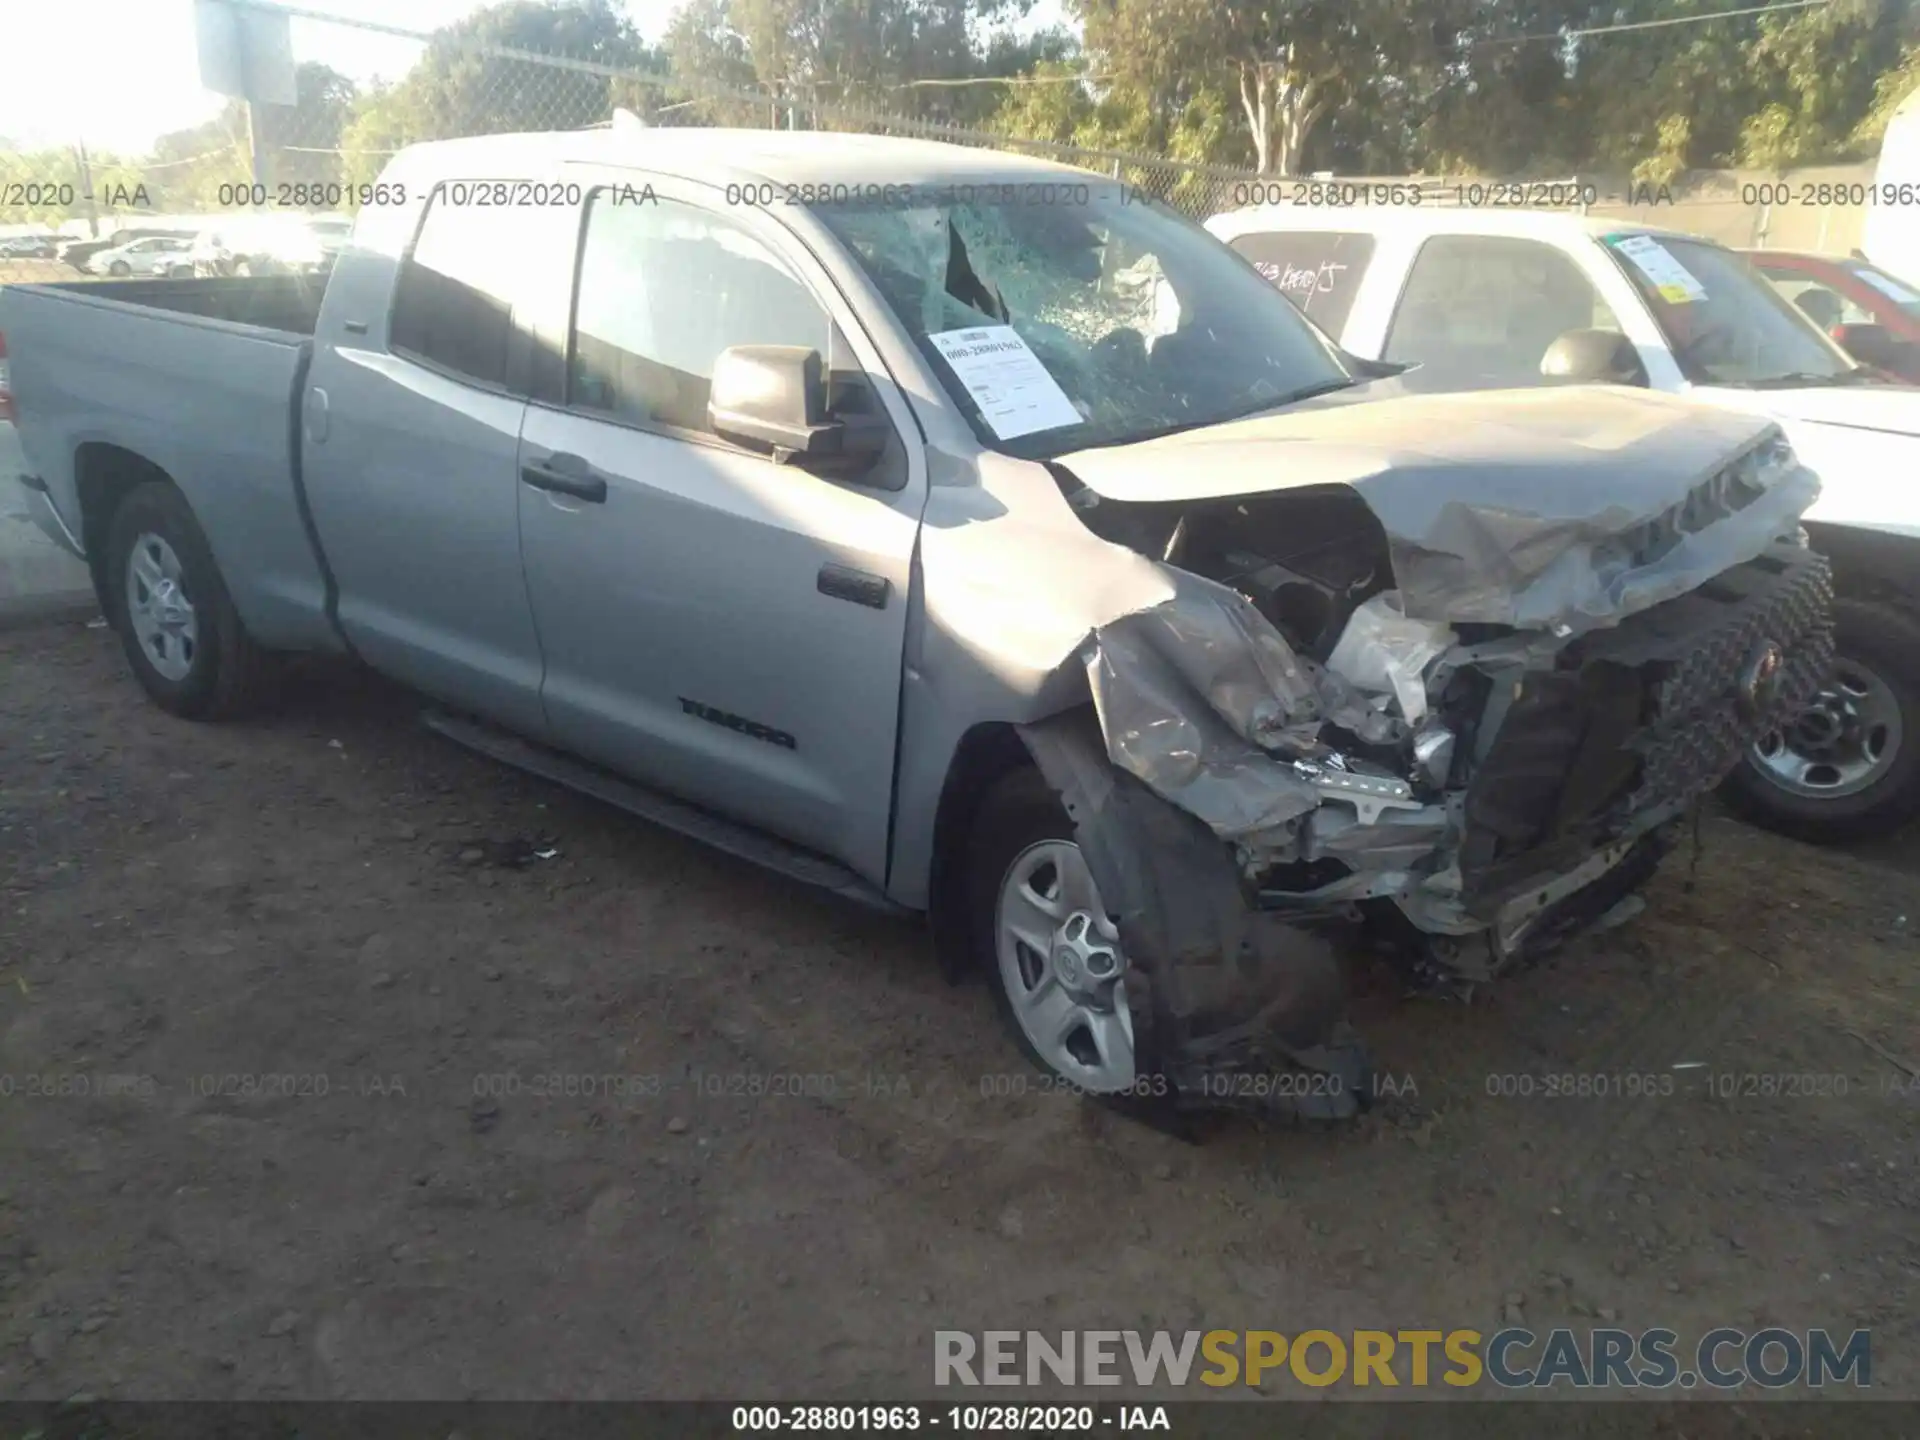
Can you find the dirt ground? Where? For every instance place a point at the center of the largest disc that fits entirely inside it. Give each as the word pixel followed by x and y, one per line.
pixel 328 896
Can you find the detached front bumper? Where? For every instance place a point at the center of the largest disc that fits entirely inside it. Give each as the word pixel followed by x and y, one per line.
pixel 1636 723
pixel 1579 771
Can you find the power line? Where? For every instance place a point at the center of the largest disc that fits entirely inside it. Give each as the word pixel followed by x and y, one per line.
pixel 224 152
pixel 1074 79
pixel 1564 35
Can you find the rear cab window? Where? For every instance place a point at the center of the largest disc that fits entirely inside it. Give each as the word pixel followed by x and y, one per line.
pixel 1318 270
pixel 453 302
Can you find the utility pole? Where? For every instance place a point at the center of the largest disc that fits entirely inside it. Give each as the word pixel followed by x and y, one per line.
pixel 253 124
pixel 253 146
pixel 86 190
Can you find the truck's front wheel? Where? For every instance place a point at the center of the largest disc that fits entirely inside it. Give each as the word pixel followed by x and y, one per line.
pixel 176 621
pixel 1847 767
pixel 1046 941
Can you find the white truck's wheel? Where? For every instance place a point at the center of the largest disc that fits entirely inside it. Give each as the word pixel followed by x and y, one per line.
pixel 1847 767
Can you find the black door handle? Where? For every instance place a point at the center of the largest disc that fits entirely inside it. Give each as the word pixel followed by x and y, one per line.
pixel 581 486
pixel 843 582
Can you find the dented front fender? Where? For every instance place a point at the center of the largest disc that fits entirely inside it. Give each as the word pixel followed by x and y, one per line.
pixel 1217 988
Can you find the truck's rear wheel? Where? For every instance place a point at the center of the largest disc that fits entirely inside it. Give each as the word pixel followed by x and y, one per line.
pixel 1847 767
pixel 1050 950
pixel 177 623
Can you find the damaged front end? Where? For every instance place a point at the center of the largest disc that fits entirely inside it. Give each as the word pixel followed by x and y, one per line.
pixel 1468 729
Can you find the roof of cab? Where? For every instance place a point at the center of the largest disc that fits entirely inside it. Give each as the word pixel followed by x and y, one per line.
pixel 1431 219
pixel 782 157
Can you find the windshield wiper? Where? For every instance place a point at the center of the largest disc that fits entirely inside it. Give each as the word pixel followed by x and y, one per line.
pixel 1859 374
pixel 1259 407
pixel 1325 387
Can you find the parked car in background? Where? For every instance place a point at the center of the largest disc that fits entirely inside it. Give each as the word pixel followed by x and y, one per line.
pixel 29 247
pixel 1027 564
pixel 271 245
pixel 1874 316
pixel 154 255
pixel 1479 299
pixel 79 253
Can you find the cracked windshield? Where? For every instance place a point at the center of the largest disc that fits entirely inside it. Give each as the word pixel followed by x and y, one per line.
pixel 1127 321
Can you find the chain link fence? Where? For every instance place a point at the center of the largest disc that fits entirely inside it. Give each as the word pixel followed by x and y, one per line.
pixel 70 210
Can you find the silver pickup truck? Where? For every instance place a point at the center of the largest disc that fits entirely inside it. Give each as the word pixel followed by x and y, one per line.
pixel 959 532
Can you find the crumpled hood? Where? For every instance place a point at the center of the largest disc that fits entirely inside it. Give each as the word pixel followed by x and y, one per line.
pixel 1564 508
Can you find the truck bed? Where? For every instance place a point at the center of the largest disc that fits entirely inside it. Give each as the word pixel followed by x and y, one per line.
pixel 200 380
pixel 288 303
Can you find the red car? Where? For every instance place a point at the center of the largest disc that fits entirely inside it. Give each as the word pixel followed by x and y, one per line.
pixel 1874 315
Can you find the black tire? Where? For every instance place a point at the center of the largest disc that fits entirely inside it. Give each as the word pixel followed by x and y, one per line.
pixel 1886 639
pixel 120 269
pixel 1019 811
pixel 228 674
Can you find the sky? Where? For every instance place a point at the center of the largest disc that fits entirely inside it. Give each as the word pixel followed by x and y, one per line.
pixel 117 73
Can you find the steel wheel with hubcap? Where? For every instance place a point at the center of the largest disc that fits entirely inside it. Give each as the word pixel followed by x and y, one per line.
pixel 1847 767
pixel 1061 967
pixel 158 609
pixel 1841 743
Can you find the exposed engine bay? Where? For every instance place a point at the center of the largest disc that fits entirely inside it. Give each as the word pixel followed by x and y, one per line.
pixel 1348 703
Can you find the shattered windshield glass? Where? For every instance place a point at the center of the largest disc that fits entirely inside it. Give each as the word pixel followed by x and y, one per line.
pixel 1096 319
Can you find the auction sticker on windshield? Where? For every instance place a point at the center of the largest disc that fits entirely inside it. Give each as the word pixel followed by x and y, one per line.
pixel 1015 393
pixel 1673 280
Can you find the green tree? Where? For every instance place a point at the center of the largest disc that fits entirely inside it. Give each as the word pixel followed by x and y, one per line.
pixel 300 142
pixel 297 143
pixel 1825 64
pixel 1284 65
pixel 59 182
pixel 917 59
pixel 465 85
pixel 1890 91
pixel 706 49
pixel 1783 89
